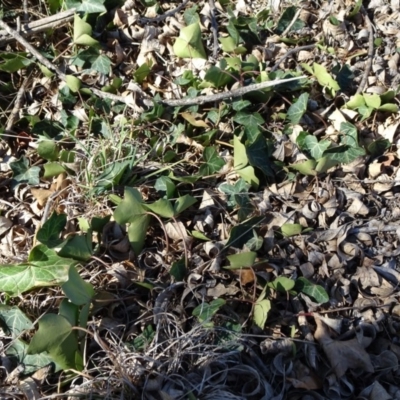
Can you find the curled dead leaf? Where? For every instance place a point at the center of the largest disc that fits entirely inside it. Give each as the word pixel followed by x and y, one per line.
pixel 342 355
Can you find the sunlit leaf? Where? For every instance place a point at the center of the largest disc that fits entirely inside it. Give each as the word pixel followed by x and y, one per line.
pixel 297 109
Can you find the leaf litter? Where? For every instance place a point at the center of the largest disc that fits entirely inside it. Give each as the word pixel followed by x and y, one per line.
pixel 238 245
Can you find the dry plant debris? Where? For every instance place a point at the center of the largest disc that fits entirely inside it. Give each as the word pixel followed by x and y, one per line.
pixel 198 200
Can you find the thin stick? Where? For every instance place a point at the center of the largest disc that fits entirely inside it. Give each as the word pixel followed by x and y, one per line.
pixel 53 67
pixel 161 17
pixel 289 53
pixel 39 26
pixel 370 55
pixel 228 94
pixel 214 28
pixel 374 229
pixel 286 31
pixel 18 104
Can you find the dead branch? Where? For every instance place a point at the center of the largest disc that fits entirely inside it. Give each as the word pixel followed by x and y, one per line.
pixel 161 17
pixel 374 229
pixel 18 103
pixel 214 28
pixel 370 55
pixel 229 93
pixel 41 25
pixel 16 35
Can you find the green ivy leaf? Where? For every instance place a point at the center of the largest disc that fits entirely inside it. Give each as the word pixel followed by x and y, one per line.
pixel 297 109
pixel 92 6
pixel 83 32
pixel 216 77
pixel 78 247
pixel 48 150
pixel 190 16
pixel 14 62
pixel 241 260
pixel 324 77
pixel 129 207
pixel 76 289
pixel 18 351
pixel 182 203
pixel 372 100
pixel 316 292
pixel 102 64
pixel 316 148
pixel 258 155
pixel 212 162
pixel 205 311
pixel 137 232
pixel 14 321
pixel 282 284
pixel 178 270
pixel 49 233
pixel 189 44
pixel 22 173
pixel 260 313
pixel 350 135
pixel 162 207
pixel 345 154
pixel 56 337
pixel 44 268
pixel 165 186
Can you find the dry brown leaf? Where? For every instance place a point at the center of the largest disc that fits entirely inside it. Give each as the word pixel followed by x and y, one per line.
pixel 245 275
pixel 176 230
pixel 41 195
pixel 342 355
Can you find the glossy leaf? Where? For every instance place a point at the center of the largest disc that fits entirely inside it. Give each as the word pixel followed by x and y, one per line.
pixel 316 292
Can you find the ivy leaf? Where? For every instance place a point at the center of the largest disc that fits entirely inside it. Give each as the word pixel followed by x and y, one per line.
pixel 324 77
pixel 190 16
pixel 316 148
pixel 282 284
pixel 189 44
pixel 350 136
pixel 245 119
pixel 205 311
pixel 92 6
pixel 49 233
pixel 213 162
pixel 24 174
pixel 297 110
pixel 13 62
pixel 14 321
pixel 345 154
pixel 18 351
pixel 258 155
pixel 56 337
pixel 316 292
pixel 260 314
pixel 102 64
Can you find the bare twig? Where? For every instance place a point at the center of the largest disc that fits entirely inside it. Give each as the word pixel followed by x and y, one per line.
pixel 287 30
pixel 214 28
pixel 289 53
pixel 25 16
pixel 228 94
pixel 52 67
pixel 161 17
pixel 374 229
pixel 370 56
pixel 41 25
pixel 18 103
